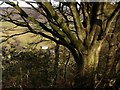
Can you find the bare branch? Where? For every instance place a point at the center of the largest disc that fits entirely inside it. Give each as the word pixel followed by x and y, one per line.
pixel 8 37
pixel 110 20
pixel 49 9
pixel 78 24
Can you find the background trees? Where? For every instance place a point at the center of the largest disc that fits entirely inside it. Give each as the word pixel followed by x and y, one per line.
pixel 82 28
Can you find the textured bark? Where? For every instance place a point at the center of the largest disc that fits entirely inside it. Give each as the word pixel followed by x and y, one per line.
pixel 84 41
pixel 85 73
pixel 110 72
pixel 111 58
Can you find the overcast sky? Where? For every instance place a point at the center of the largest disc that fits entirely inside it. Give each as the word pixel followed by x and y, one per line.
pixel 22 3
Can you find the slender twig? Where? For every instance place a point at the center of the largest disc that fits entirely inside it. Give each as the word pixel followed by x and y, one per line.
pixel 8 37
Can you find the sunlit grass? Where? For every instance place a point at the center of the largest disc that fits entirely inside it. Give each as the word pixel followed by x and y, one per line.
pixel 25 39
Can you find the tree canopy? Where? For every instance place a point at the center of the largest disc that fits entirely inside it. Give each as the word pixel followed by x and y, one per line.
pixel 81 27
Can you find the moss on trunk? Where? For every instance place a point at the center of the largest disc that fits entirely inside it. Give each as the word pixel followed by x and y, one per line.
pixel 85 74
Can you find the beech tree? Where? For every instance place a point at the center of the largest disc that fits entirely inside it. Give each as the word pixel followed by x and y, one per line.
pixel 81 27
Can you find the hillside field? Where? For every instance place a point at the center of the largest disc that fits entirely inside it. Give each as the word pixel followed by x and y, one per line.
pixel 23 40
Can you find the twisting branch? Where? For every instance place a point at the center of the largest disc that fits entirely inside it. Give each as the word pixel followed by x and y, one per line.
pixel 78 25
pixel 86 15
pixel 25 17
pixel 10 29
pixel 18 23
pixel 110 20
pixel 44 35
pixel 49 9
pixel 63 9
pixel 8 37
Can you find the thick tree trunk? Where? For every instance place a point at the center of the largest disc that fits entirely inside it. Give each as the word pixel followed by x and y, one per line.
pixel 85 76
